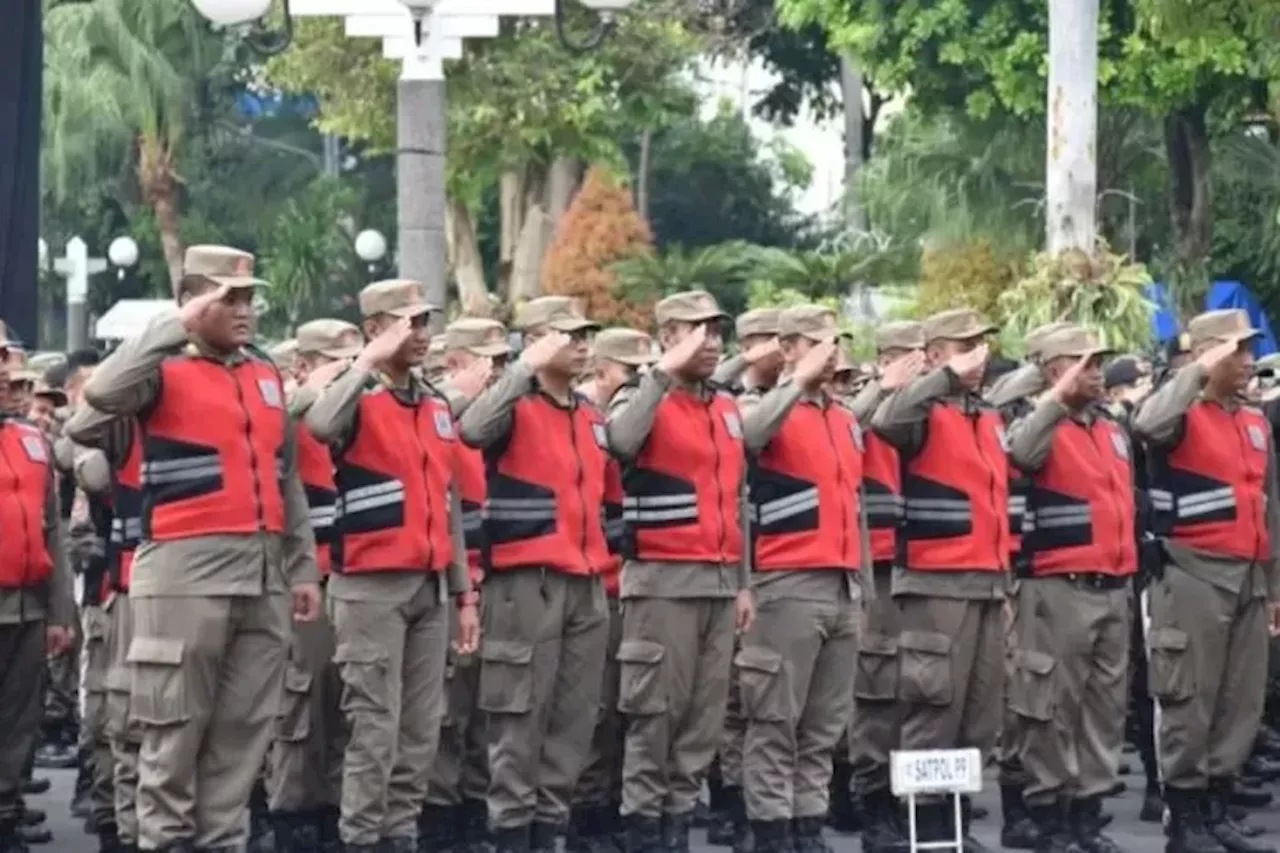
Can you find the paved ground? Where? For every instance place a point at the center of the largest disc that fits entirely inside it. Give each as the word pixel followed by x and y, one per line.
pixel 1132 835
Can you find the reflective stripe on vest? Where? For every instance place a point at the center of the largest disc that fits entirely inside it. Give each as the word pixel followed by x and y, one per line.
pixel 315 469
pixel 804 487
pixel 126 503
pixel 393 484
pixel 956 492
pixel 24 483
pixel 213 450
pixel 468 473
pixel 882 491
pixel 546 489
pixel 682 491
pixel 1209 492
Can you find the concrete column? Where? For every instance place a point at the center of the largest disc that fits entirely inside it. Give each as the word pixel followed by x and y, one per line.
pixel 1071 155
pixel 421 134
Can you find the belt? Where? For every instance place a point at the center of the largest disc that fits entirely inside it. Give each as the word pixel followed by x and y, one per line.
pixel 1096 580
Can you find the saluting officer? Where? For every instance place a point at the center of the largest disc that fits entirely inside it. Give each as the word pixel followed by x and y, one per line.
pixel 225 539
pixel 758 360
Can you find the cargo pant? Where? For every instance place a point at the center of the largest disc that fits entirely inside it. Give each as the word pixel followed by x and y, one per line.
pixel 1070 685
pixel 1207 653
pixel 305 762
pixel 22 675
pixel 1012 772
pixel 874 733
pixel 735 729
pixel 123 733
pixel 796 684
pixel 207 673
pixel 391 656
pixel 542 659
pixel 460 771
pixel 952 676
pixel 600 783
pixel 95 660
pixel 675 660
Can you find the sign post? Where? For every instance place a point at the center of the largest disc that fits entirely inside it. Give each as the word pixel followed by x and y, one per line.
pixel 953 772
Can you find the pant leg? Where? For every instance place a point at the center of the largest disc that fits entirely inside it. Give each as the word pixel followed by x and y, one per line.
pixel 422 704
pixel 657 663
pixel 1139 687
pixel 827 708
pixel 1100 736
pixel 735 731
pixel 1012 772
pixel 520 654
pixel 299 766
pixel 1243 691
pixel 599 782
pixel 445 779
pixel 875 728
pixel 96 623
pixel 983 704
pixel 22 674
pixel 939 643
pixel 702 700
pixel 1187 645
pixel 176 658
pixel 567 731
pixel 370 637
pixel 122 731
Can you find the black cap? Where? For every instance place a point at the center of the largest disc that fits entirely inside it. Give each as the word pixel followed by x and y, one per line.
pixel 1123 371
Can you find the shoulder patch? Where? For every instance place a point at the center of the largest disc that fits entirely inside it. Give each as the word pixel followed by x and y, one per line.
pixel 444 424
pixel 34 447
pixel 1257 437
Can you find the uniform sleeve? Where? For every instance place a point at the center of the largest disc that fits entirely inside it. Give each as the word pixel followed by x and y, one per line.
pixel 64 454
pixel 764 414
pixel 459 574
pixel 864 403
pixel 89 427
pixel 489 418
pixel 332 417
pixel 458 402
pixel 867 566
pixel 299 539
pixel 1159 419
pixel 128 380
pixel 62 607
pixel 631 414
pixel 729 370
pixel 92 471
pixel 901 418
pixel 1031 437
pixel 1273 528
pixel 744 512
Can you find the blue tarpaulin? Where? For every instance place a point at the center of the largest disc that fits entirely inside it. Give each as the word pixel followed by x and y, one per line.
pixel 1223 294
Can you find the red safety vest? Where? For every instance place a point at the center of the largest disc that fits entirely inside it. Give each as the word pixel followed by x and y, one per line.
pixel 1209 492
pixel 393 487
pixel 468 472
pixel 213 450
pixel 615 529
pixel 956 494
pixel 683 489
pixel 546 489
pixel 804 492
pixel 1080 512
pixel 882 491
pixel 25 457
pixel 315 469
pixel 126 505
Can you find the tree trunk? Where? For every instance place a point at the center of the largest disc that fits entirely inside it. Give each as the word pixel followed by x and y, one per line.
pixel 159 186
pixel 854 130
pixel 511 206
pixel 526 273
pixel 1071 168
pixel 1186 140
pixel 563 179
pixel 642 174
pixel 468 266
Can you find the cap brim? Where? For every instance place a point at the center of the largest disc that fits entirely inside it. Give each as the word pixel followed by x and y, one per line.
pixel 577 324
pixel 411 311
pixel 489 350
pixel 970 334
pixel 237 282
pixel 340 352
pixel 632 360
pixel 60 397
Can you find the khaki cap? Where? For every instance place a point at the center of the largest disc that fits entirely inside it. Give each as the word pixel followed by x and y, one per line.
pixel 626 346
pixel 41 388
pixel 811 321
pixel 24 376
pixel 330 338
pixel 478 336
pixel 1072 342
pixel 1230 324
pixel 956 324
pixel 399 297
pixel 901 334
pixel 557 312
pixel 1035 338
pixel 284 353
pixel 844 364
pixel 692 306
pixel 757 321
pixel 221 265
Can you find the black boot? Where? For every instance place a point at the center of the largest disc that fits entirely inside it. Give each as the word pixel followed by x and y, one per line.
pixel 400 844
pixel 725 820
pixel 771 836
pixel 437 829
pixel 1222 826
pixel 108 837
pixel 473 831
pixel 971 844
pixel 1152 805
pixel 326 820
pixel 642 834
pixel 675 831
pixel 1187 831
pixel 715 798
pixel 36 834
pixel 10 841
pixel 511 839
pixel 842 811
pixel 1051 826
pixel 80 804
pixel 806 835
pixel 1248 797
pixel 260 835
pixel 1087 823
pixel 542 837
pixel 881 829
pixel 362 848
pixel 1019 830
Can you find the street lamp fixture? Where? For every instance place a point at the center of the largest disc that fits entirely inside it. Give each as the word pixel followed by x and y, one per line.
pixel 371 247
pixel 123 254
pixel 606 11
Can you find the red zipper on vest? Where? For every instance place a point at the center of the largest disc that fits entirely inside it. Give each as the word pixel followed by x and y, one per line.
pixel 426 476
pixel 1003 511
pixel 253 451
pixel 22 512
pixel 582 475
pixel 844 521
pixel 715 448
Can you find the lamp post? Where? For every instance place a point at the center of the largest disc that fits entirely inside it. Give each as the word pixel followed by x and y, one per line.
pixel 371 247
pixel 427 32
pixel 123 254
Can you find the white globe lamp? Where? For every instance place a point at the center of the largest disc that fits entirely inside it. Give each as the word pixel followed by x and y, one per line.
pixel 371 246
pixel 230 13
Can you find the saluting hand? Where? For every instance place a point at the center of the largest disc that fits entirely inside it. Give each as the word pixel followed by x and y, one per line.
pixel 306 602
pixel 193 311
pixel 1210 358
pixel 676 359
pixel 468 630
pixel 899 372
pixel 1067 389
pixel 760 352
pixel 473 378
pixel 969 366
pixel 544 350
pixel 813 365
pixel 381 349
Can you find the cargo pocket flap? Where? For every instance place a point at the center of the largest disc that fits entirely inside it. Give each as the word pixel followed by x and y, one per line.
pixel 758 659
pixel 507 651
pixel 297 680
pixel 929 642
pixel 1037 663
pixel 1168 639
pixel 358 653
pixel 156 650
pixel 879 645
pixel 641 651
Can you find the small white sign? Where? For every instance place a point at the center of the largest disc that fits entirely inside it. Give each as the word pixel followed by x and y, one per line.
pixel 936 771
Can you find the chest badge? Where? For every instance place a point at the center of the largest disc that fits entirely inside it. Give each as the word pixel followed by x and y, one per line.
pixel 1003 438
pixel 1120 445
pixel 444 425
pixel 1257 437
pixel 602 438
pixel 855 429
pixel 733 424
pixel 33 446
pixel 270 391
